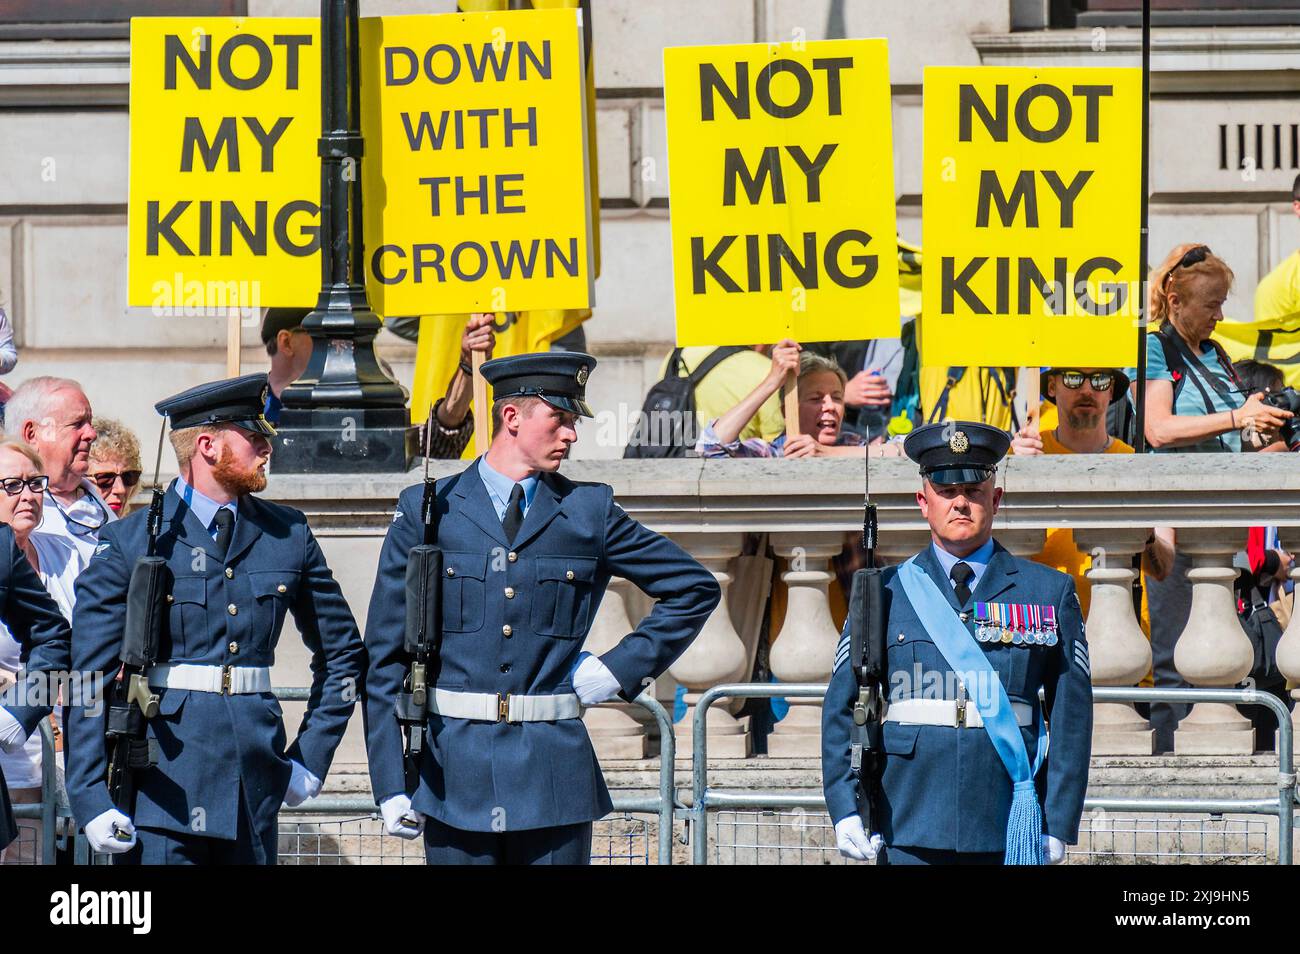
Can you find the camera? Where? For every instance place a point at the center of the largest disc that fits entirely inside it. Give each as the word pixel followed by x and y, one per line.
pixel 1288 399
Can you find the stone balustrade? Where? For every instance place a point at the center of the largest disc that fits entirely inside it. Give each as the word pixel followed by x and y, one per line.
pixel 803 512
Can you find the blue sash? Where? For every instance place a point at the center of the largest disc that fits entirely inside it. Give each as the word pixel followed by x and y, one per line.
pixel 964 655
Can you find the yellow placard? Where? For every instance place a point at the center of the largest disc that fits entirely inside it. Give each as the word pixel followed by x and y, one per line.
pixel 1032 186
pixel 476 126
pixel 782 190
pixel 224 196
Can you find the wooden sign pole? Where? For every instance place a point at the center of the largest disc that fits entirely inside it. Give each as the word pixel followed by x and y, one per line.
pixel 234 324
pixel 1029 388
pixel 791 405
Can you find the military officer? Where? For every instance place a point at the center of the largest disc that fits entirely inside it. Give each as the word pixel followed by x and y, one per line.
pixel 41 630
pixel 508 774
pixel 239 564
pixel 972 634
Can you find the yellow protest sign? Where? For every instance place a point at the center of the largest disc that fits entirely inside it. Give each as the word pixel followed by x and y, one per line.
pixel 1274 341
pixel 224 196
pixel 1030 219
pixel 475 125
pixel 782 190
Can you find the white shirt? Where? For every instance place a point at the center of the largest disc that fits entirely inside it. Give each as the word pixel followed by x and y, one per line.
pixel 88 514
pixel 977 561
pixel 60 565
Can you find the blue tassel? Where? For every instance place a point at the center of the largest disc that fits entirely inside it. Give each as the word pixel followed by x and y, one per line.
pixel 1024 826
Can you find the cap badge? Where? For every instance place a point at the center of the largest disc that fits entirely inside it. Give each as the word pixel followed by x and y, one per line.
pixel 959 443
pixel 582 376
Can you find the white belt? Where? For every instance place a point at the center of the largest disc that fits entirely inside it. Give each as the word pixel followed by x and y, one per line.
pixel 944 712
pixel 494 707
pixel 226 680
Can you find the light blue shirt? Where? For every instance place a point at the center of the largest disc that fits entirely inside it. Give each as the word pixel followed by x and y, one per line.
pixel 499 487
pixel 204 507
pixel 977 561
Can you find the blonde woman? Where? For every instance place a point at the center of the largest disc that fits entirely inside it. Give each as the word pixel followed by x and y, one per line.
pixel 1194 399
pixel 115 463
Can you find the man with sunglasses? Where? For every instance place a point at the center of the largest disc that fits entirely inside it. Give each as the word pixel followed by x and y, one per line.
pixel 1082 397
pixel 238 566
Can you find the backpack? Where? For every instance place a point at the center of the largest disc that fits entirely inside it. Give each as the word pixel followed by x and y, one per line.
pixel 1177 359
pixel 667 426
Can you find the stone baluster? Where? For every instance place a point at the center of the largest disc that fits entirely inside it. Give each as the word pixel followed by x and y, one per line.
pixel 1213 650
pixel 1118 650
pixel 716 656
pixel 615 731
pixel 804 650
pixel 1288 660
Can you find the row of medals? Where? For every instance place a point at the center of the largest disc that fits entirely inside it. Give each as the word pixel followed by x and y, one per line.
pixel 989 630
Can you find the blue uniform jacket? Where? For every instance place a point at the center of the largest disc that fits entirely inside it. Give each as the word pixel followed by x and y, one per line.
pixel 947 788
pixel 224 612
pixel 40 629
pixel 484 776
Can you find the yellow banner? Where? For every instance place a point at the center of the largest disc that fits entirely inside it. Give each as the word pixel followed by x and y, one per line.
pixel 1032 183
pixel 224 201
pixel 1276 342
pixel 476 124
pixel 782 181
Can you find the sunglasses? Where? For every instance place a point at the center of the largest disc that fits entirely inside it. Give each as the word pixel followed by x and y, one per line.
pixel 106 479
pixel 13 486
pixel 1193 256
pixel 1100 380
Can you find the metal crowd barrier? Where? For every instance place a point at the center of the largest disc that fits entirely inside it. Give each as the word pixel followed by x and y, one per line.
pixel 52 798
pixel 662 806
pixel 705 799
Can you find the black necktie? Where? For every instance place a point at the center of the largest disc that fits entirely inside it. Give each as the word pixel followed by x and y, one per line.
pixel 961 574
pixel 224 521
pixel 514 515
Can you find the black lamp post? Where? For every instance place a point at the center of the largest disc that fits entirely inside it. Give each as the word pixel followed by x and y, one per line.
pixel 345 414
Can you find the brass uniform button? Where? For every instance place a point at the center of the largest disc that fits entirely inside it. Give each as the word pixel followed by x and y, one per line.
pixel 230 574
pixel 234 648
pixel 568 574
pixel 512 556
pixel 510 592
pixel 901 637
pixel 450 571
pixel 506 630
pixel 170 598
pixel 282 588
pixel 232 609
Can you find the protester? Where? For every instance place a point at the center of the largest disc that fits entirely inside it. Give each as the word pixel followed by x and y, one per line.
pixel 873 368
pixel 1194 402
pixel 726 385
pixel 1277 295
pixel 1187 293
pixel 115 466
pixel 22 484
pixel 53 416
pixel 453 419
pixel 1081 397
pixel 821 384
pixel 289 348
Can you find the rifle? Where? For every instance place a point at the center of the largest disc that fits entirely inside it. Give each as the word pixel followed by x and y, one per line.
pixel 867 657
pixel 133 702
pixel 423 635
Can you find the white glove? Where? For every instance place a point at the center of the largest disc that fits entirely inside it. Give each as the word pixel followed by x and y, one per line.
pixel 302 786
pixel 851 838
pixel 102 829
pixel 12 735
pixel 1053 850
pixel 400 818
pixel 593 682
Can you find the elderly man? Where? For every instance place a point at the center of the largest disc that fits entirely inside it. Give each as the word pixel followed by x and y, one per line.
pixel 53 416
pixel 971 635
